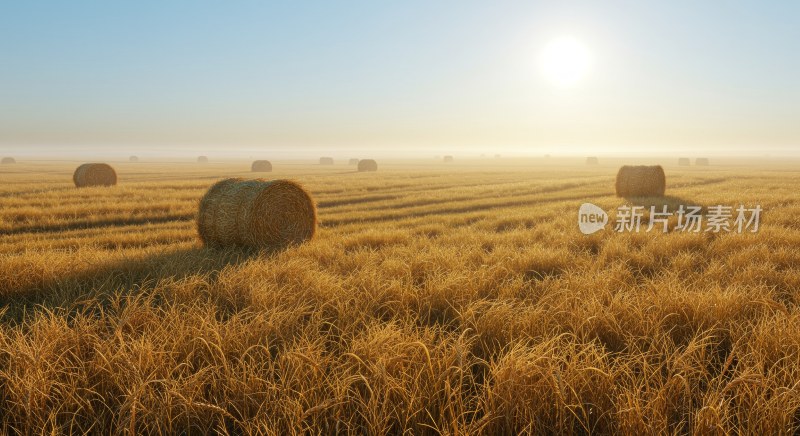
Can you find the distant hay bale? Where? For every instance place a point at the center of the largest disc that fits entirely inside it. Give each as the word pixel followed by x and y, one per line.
pixel 326 161
pixel 448 158
pixel 702 162
pixel 592 160
pixel 261 166
pixel 641 181
pixel 94 174
pixel 497 156
pixel 256 213
pixel 353 161
pixel 684 161
pixel 8 161
pixel 202 159
pixel 133 159
pixel 367 165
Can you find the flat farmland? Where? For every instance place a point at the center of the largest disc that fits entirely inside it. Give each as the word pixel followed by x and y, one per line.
pixel 435 298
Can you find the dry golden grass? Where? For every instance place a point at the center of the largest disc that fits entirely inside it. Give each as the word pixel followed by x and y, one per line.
pixel 457 300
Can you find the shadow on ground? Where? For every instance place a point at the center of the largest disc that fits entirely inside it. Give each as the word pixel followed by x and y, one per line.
pixel 673 205
pixel 127 276
pixel 672 202
pixel 79 225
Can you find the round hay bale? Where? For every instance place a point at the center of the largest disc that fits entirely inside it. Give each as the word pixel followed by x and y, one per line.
pixel 497 156
pixel 261 166
pixel 94 174
pixel 641 181
pixel 353 161
pixel 326 161
pixel 684 161
pixel 702 162
pixel 202 159
pixel 592 160
pixel 133 159
pixel 367 165
pixel 8 161
pixel 256 213
pixel 448 158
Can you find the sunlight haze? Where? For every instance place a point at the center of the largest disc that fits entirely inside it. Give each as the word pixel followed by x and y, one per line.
pixel 401 78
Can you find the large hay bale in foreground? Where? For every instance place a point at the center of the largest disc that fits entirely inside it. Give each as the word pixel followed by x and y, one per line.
pixel 448 158
pixel 256 213
pixel 367 165
pixel 261 166
pixel 94 174
pixel 202 159
pixel 8 160
pixel 326 161
pixel 592 160
pixel 353 161
pixel 702 162
pixel 641 181
pixel 684 161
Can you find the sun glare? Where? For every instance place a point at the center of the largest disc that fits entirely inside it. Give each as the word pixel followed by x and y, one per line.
pixel 565 61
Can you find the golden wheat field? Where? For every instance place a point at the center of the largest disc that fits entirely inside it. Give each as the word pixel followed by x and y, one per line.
pixel 436 298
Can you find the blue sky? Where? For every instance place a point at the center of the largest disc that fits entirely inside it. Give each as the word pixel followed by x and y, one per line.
pixel 405 75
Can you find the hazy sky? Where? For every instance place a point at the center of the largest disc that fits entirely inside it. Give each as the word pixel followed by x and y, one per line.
pixel 409 75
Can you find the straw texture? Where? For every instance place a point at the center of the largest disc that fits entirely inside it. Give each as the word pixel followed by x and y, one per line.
pixel 256 213
pixel 261 166
pixel 94 174
pixel 641 181
pixel 367 165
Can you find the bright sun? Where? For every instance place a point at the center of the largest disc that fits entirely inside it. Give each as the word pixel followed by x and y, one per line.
pixel 565 61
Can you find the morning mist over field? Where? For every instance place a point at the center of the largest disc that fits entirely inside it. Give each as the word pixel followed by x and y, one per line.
pixel 400 218
pixel 405 79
